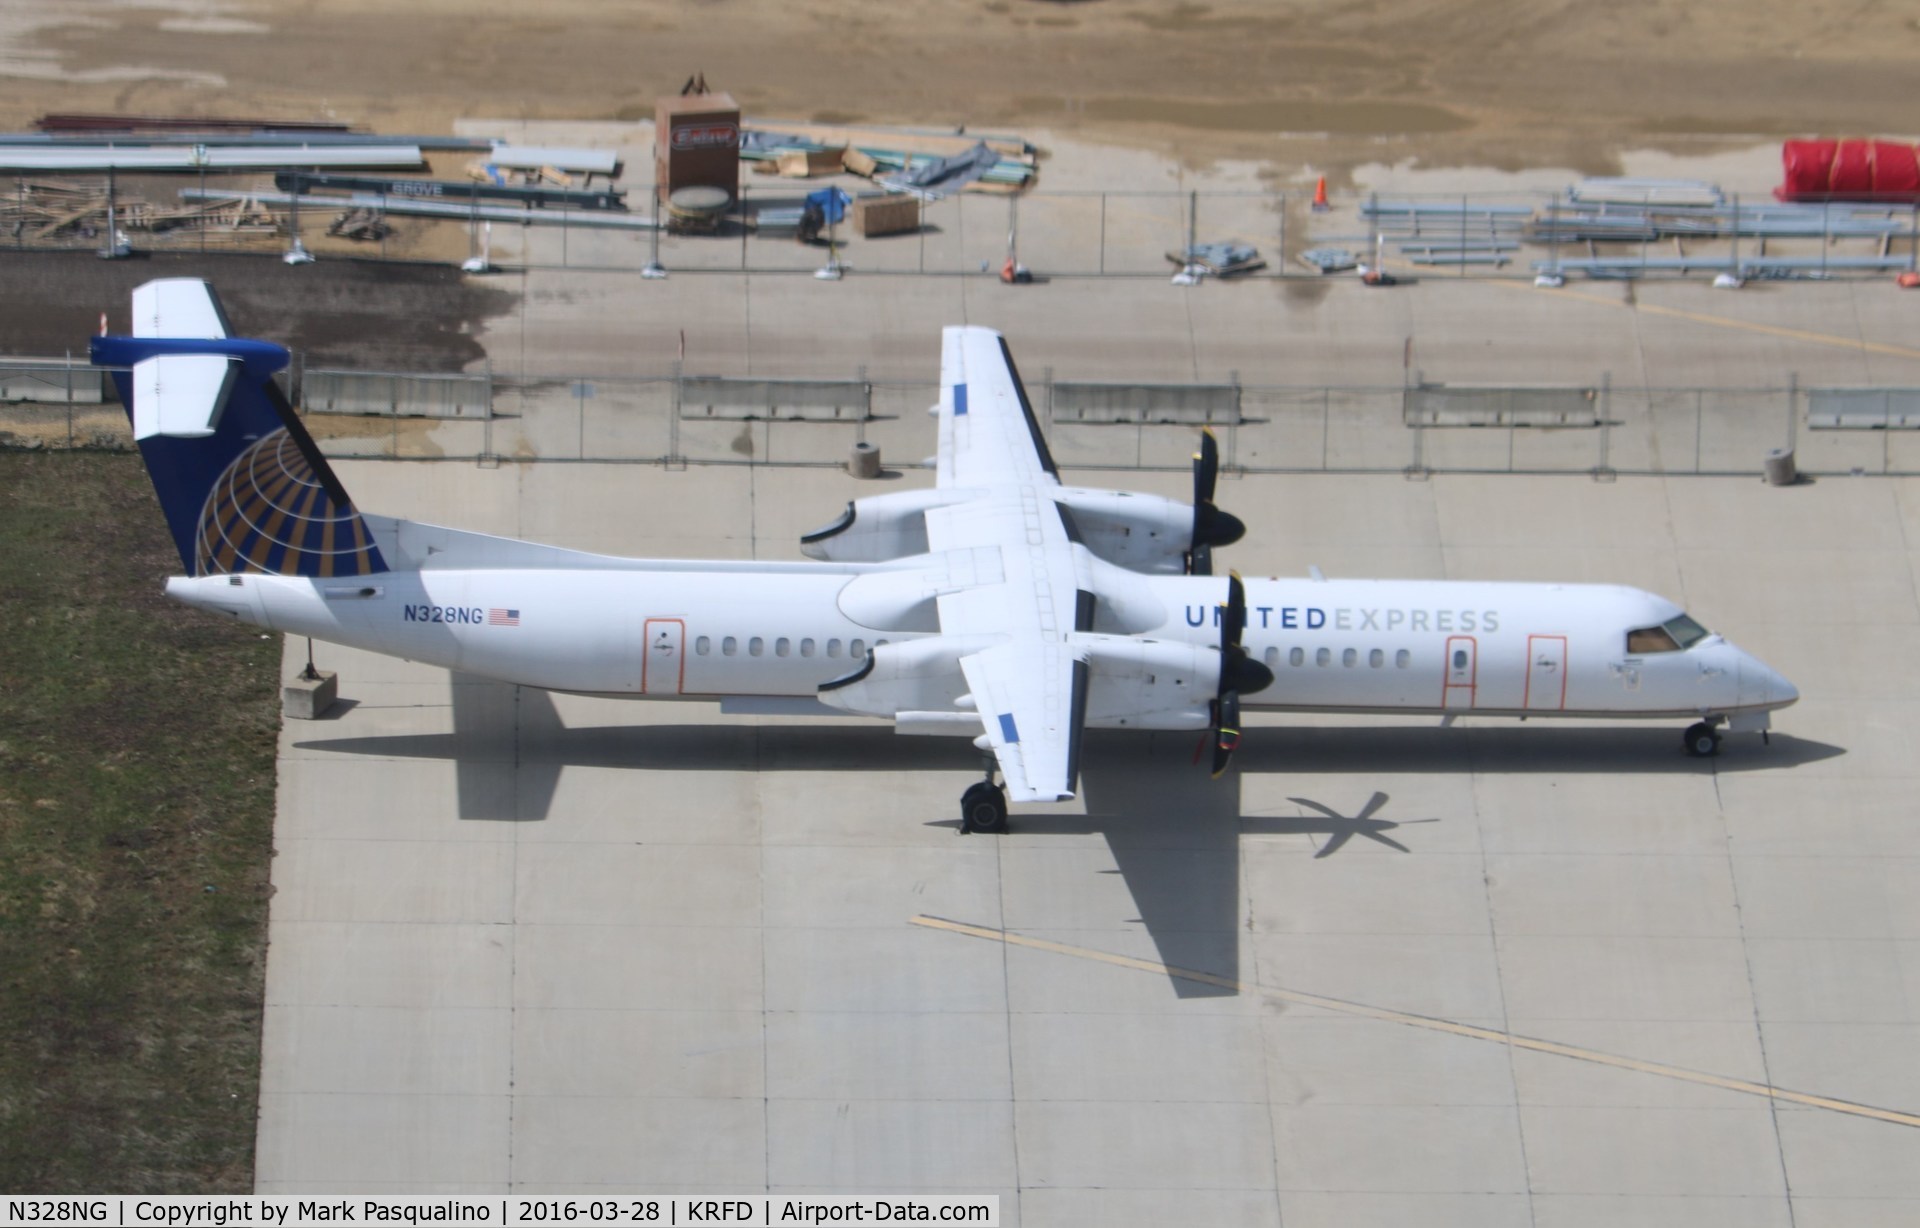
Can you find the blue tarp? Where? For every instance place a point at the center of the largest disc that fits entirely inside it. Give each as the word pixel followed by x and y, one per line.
pixel 832 203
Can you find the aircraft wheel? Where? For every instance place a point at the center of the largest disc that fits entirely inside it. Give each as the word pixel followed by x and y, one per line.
pixel 1702 740
pixel 983 808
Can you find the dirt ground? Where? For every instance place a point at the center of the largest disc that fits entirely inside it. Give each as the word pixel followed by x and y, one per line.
pixel 367 316
pixel 1330 82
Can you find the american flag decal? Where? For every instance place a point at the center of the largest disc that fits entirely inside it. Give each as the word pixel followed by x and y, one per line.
pixel 503 618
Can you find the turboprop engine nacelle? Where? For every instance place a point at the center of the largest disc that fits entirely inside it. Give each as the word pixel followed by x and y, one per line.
pixel 878 528
pixel 1149 684
pixel 1143 533
pixel 920 675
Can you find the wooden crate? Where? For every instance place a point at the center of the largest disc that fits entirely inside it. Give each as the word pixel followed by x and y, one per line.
pixel 886 215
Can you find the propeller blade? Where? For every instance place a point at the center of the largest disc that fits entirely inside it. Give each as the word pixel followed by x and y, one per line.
pixel 1234 620
pixel 1206 469
pixel 1211 526
pixel 1226 731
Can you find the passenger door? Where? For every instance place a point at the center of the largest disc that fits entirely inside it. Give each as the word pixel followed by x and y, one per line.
pixel 1463 673
pixel 1546 673
pixel 663 670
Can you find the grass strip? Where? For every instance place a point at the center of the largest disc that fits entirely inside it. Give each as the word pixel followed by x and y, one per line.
pixel 137 742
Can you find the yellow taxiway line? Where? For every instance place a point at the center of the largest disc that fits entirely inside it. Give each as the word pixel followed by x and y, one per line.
pixel 1363 1011
pixel 1856 344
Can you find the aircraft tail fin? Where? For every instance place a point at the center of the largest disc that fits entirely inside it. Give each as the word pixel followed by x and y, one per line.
pixel 243 485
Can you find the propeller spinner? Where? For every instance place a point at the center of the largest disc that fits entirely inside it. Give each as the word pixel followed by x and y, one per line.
pixel 1239 674
pixel 1211 526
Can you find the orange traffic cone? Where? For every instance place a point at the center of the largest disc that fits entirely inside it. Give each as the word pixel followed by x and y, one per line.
pixel 1908 281
pixel 1320 204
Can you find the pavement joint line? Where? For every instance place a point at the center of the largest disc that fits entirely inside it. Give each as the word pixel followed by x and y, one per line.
pixel 1447 1026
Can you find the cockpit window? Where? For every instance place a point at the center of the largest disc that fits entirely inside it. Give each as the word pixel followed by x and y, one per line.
pixel 1685 631
pixel 1677 634
pixel 1651 639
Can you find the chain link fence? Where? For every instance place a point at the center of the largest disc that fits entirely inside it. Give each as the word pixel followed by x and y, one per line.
pixel 1056 233
pixel 674 419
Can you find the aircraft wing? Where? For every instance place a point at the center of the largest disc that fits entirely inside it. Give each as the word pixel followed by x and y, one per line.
pixel 988 432
pixel 1030 688
pixel 1032 698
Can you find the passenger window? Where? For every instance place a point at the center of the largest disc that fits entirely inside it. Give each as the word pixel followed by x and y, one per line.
pixel 1402 659
pixel 857 650
pixel 1349 657
pixel 1376 658
pixel 1650 639
pixel 1323 657
pixel 703 645
pixel 1272 657
pixel 833 648
pixel 729 646
pixel 1459 658
pixel 806 648
pixel 1297 657
pixel 756 646
pixel 782 646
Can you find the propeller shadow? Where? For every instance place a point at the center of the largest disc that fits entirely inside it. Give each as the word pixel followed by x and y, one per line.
pixel 1339 828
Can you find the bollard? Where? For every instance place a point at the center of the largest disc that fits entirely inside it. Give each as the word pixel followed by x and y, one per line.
pixel 1779 467
pixel 864 462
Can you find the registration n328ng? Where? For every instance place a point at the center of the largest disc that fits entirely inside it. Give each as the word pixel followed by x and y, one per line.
pixel 1001 604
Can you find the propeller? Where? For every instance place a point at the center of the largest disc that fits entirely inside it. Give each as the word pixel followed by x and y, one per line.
pixel 1239 674
pixel 1211 526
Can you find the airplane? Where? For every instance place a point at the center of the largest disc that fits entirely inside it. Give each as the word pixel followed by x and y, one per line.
pixel 1000 604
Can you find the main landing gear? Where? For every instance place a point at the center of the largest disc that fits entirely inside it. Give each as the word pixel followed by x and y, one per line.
pixel 983 807
pixel 1702 740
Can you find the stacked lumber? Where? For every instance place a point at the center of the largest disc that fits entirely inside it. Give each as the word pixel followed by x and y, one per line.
pixel 40 210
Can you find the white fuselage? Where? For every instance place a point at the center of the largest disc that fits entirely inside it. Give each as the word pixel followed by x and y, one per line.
pixel 660 629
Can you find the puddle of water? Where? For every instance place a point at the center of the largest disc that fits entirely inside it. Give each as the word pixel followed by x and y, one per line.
pixel 213 25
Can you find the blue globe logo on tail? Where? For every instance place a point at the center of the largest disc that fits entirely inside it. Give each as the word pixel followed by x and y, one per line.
pixel 269 512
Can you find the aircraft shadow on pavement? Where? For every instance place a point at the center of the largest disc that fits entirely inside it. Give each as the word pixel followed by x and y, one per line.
pixel 539 739
pixel 1174 834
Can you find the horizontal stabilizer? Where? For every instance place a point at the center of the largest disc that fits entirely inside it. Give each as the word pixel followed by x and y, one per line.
pixel 181 395
pixel 178 307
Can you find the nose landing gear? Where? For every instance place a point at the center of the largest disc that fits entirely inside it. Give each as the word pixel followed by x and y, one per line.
pixel 1702 740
